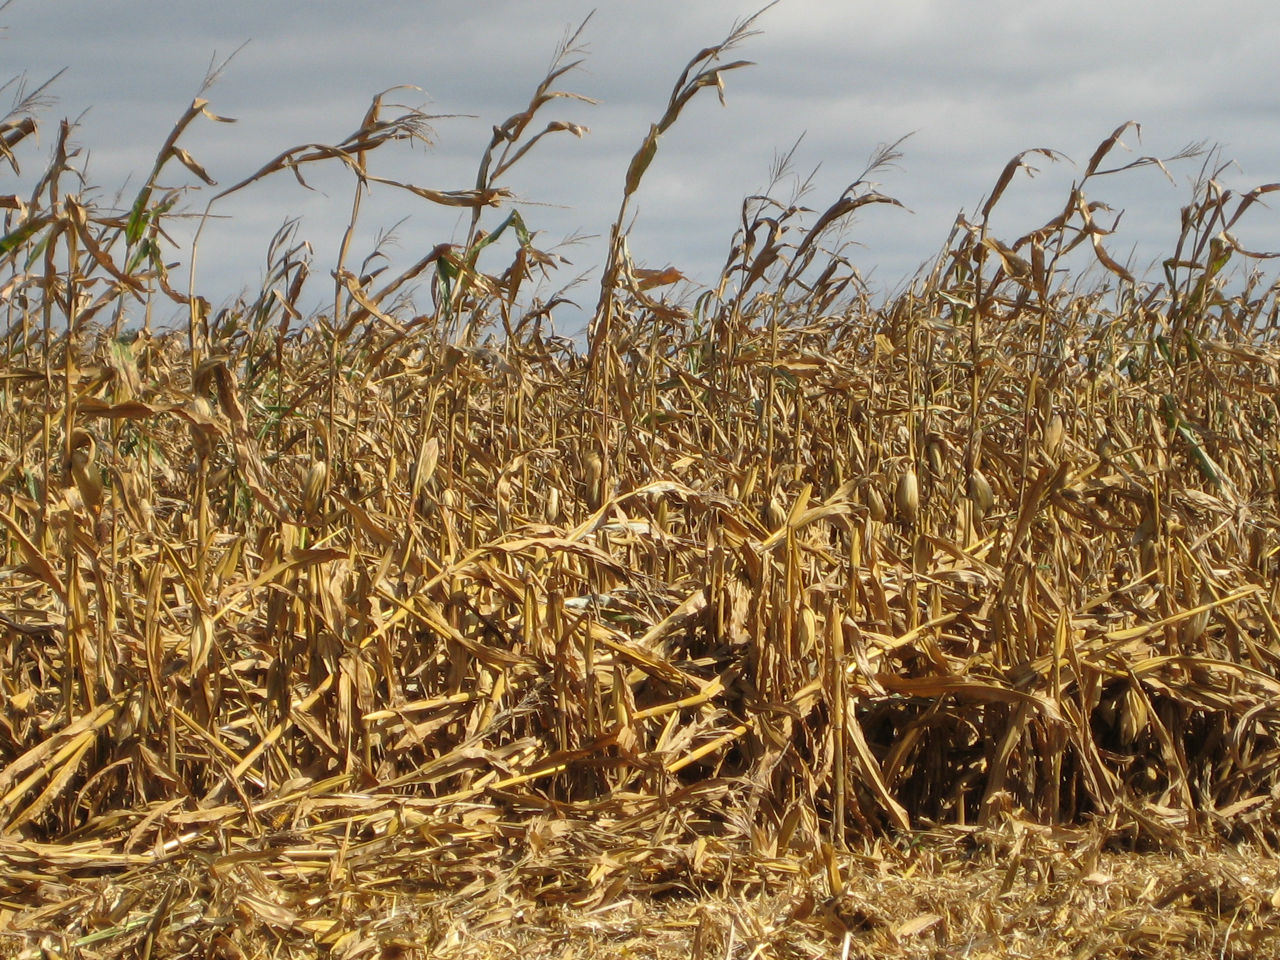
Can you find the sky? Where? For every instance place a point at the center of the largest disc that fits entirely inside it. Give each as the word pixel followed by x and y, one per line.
pixel 970 84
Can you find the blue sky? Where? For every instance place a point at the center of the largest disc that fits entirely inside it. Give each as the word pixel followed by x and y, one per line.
pixel 973 83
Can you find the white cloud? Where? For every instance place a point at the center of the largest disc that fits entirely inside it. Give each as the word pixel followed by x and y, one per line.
pixel 976 81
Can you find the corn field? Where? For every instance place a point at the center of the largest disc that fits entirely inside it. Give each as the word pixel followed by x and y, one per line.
pixel 745 582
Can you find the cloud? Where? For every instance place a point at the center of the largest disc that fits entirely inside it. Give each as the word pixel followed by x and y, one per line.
pixel 976 82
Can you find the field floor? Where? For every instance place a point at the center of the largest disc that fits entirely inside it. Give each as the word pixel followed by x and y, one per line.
pixel 484 887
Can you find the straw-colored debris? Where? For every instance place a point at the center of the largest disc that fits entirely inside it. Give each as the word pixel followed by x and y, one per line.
pixel 491 885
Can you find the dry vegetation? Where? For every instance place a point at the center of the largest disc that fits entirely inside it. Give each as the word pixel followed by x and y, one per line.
pixel 776 623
